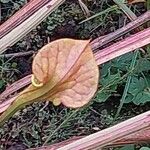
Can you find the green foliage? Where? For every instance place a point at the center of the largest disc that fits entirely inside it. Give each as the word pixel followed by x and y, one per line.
pixel 1 83
pixel 109 85
pixel 123 62
pixel 143 64
pixel 54 20
pixel 7 70
pixel 5 1
pixel 9 7
pixel 139 87
pixel 63 15
pixel 127 147
pixel 145 148
pixel 139 91
pixel 106 118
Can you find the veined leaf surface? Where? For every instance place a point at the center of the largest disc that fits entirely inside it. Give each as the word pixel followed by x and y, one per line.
pixel 64 71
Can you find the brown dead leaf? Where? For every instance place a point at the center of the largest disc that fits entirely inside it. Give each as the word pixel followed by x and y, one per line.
pixel 70 67
pixel 64 71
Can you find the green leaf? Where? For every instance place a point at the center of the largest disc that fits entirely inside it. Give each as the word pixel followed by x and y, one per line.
pixel 109 85
pixel 102 96
pixel 143 65
pixel 145 148
pixel 16 6
pixel 137 85
pixel 105 69
pixel 50 28
pixel 1 83
pixel 123 62
pixel 110 79
pixel 127 147
pixel 14 64
pixel 129 98
pixel 141 98
pixel 139 91
pixel 5 1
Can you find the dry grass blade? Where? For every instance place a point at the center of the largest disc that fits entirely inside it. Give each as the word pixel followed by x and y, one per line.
pixel 25 26
pixel 136 1
pixel 21 15
pixel 84 8
pixel 19 54
pixel 15 87
pixel 127 45
pixel 127 11
pixel 99 42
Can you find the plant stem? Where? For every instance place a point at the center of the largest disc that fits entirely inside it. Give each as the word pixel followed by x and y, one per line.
pixel 132 17
pixel 106 137
pixel 126 10
pixel 19 54
pixel 133 62
pixel 112 8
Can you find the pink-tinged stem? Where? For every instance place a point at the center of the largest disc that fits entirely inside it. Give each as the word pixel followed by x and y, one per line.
pixel 110 135
pixel 134 24
pixel 129 44
pixel 23 21
pixel 5 104
pixel 20 16
pixel 15 87
pixel 138 137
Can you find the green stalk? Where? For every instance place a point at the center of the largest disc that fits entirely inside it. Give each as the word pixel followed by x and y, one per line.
pixel 112 8
pixel 125 92
pixel 131 16
pixel 125 9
